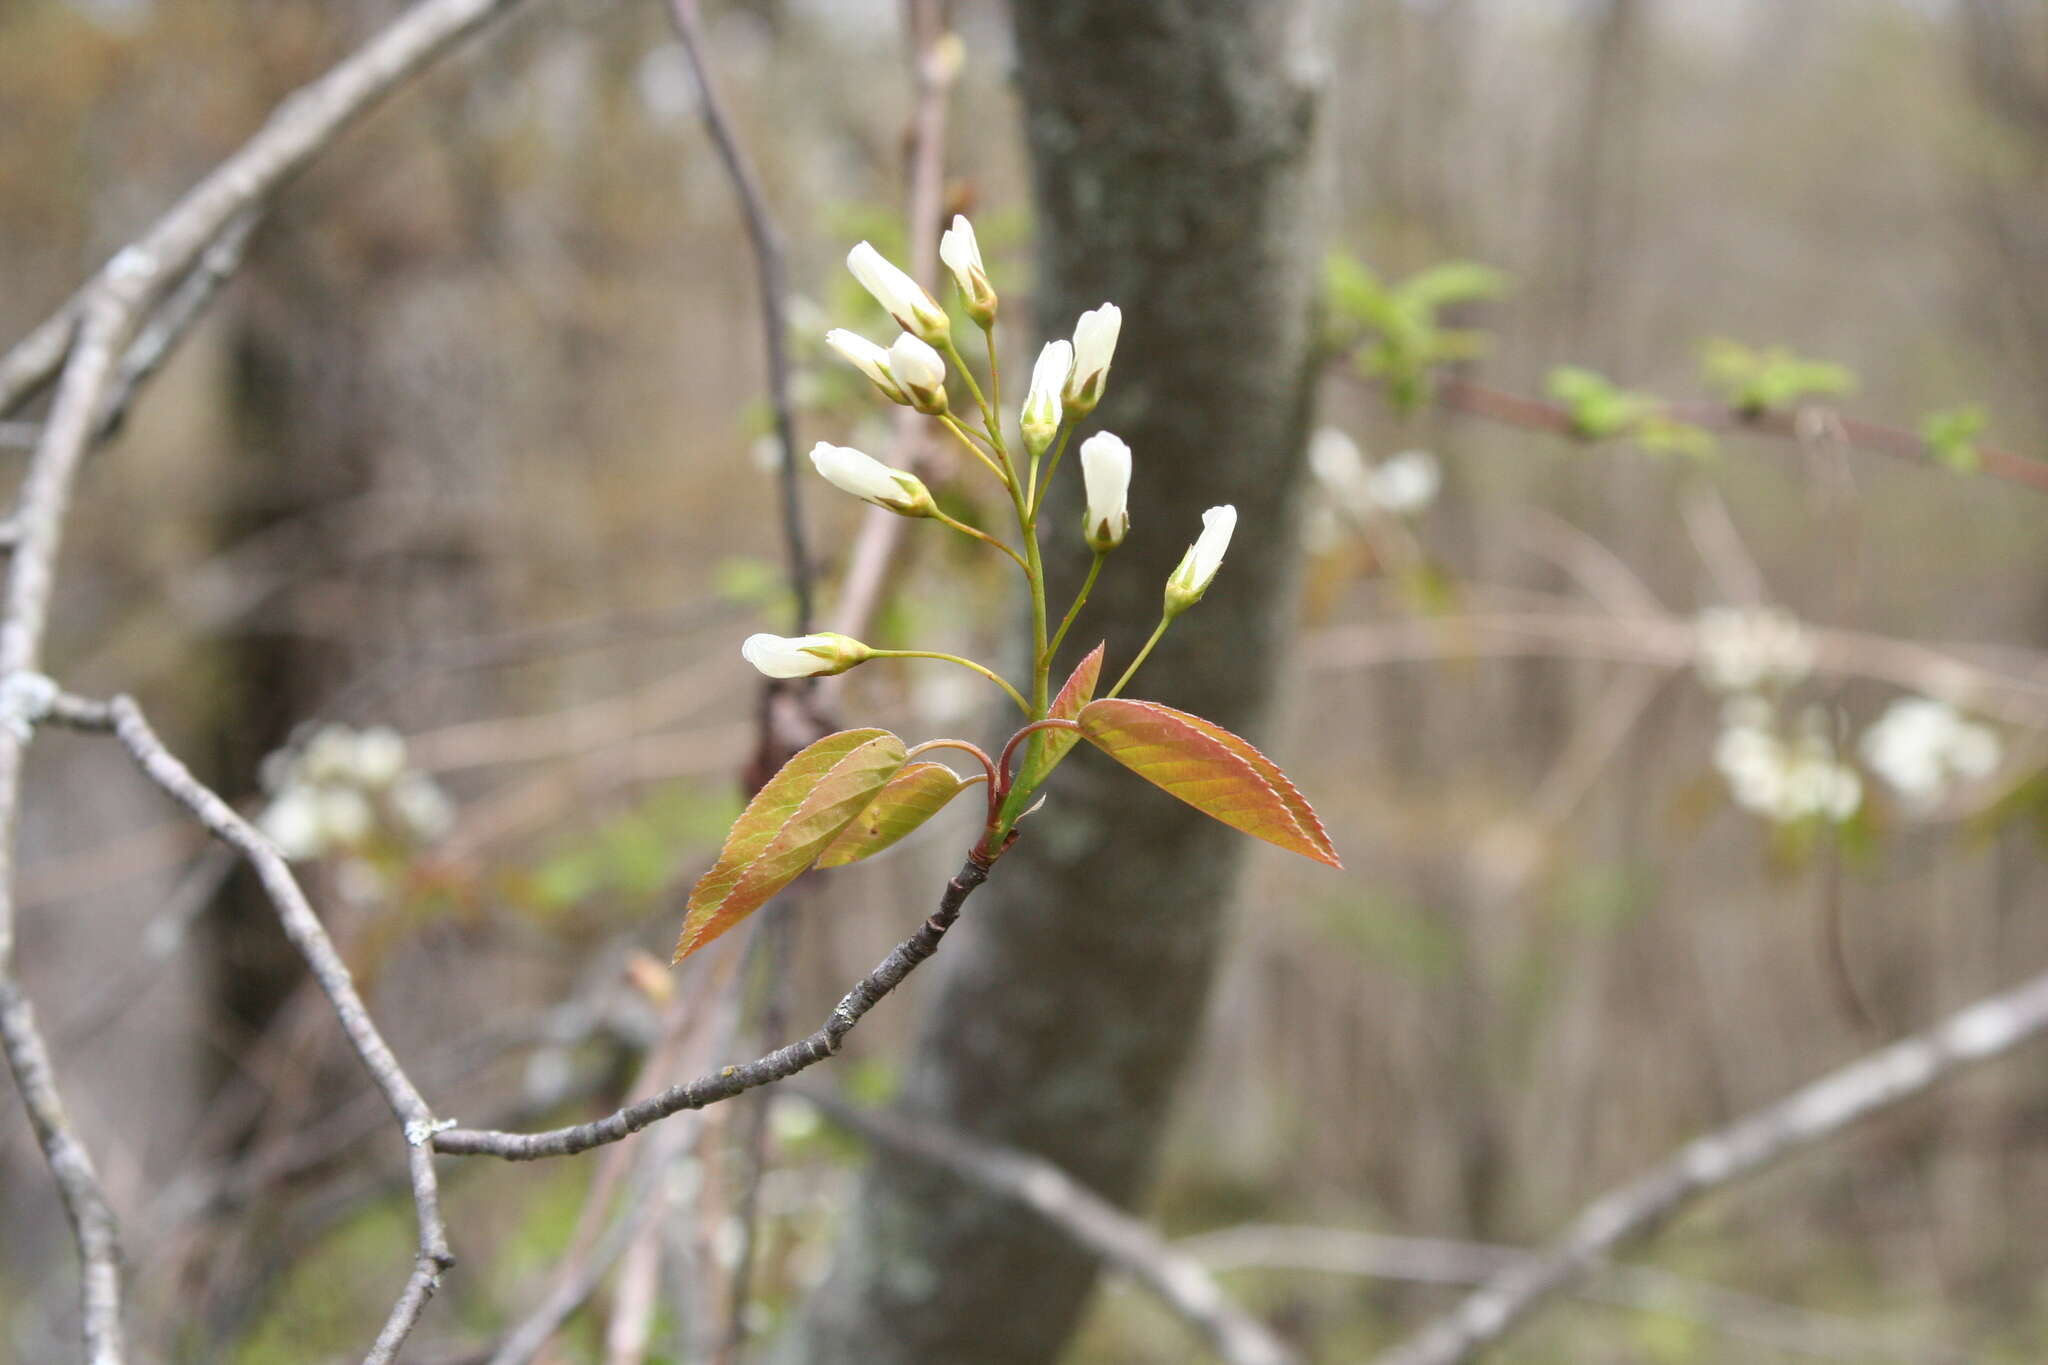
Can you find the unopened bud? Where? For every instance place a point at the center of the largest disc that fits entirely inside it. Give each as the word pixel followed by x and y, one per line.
pixel 920 372
pixel 804 656
pixel 1198 566
pixel 872 481
pixel 962 255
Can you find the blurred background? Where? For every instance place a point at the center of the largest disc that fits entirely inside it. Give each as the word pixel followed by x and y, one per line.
pixel 474 454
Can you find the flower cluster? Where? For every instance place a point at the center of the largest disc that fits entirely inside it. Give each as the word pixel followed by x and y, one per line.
pixel 1742 649
pixel 1922 748
pixel 1401 485
pixel 1067 383
pixel 1781 779
pixel 344 789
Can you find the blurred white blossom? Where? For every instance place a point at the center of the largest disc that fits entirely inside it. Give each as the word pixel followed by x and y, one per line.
pixel 1922 747
pixel 1743 648
pixel 1783 780
pixel 342 788
pixel 1401 485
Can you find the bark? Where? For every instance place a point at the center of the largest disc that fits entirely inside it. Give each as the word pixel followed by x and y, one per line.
pixel 1169 144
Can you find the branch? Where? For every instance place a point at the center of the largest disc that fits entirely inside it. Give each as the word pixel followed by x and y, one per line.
pixel 1808 1116
pixel 1536 414
pixel 729 1081
pixel 772 275
pixel 301 126
pixel 306 933
pixel 1072 1208
pixel 1431 1260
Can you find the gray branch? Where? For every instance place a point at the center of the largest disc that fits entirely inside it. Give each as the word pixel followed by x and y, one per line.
pixel 1177 1279
pixel 729 1081
pixel 1810 1115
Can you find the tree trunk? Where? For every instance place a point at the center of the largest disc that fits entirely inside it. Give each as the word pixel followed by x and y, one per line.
pixel 1169 143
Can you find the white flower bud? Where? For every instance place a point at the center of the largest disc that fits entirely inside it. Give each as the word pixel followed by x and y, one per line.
pixel 962 255
pixel 1405 483
pixel 292 822
pixel 872 481
pixel 1198 566
pixel 915 311
pixel 1094 344
pixel 421 807
pixel 803 656
pixel 920 372
pixel 870 359
pixel 379 756
pixel 1106 474
pixel 1042 413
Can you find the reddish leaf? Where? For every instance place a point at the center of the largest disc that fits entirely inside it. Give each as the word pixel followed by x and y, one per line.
pixel 789 820
pixel 1216 772
pixel 1045 748
pixel 912 796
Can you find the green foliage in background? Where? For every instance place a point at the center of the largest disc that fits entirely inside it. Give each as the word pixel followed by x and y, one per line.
pixel 1602 410
pixel 1396 329
pixel 1951 435
pixel 1754 380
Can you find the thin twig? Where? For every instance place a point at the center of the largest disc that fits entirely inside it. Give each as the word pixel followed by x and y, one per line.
pixel 1073 1209
pixel 1813 1114
pixel 772 274
pixel 306 933
pixel 729 1081
pixel 1536 414
pixel 1430 1260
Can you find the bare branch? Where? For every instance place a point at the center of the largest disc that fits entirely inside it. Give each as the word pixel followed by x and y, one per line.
pixel 1808 1116
pixel 306 933
pixel 772 274
pixel 301 126
pixel 1432 1260
pixel 729 1081
pixel 1077 1211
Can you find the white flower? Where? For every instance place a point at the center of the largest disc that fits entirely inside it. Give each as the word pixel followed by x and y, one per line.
pixel 915 311
pixel 1339 466
pixel 1042 413
pixel 344 815
pixel 870 480
pixel 1199 565
pixel 329 756
pixel 1094 344
pixel 962 255
pixel 1740 648
pixel 870 359
pixel 1784 782
pixel 292 822
pixel 379 756
pixel 1405 483
pixel 803 656
pixel 921 373
pixel 1106 474
pixel 421 807
pixel 1921 747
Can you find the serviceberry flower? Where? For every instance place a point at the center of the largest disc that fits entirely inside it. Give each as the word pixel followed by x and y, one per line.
pixel 872 481
pixel 920 373
pixel 870 359
pixel 915 311
pixel 1106 474
pixel 1042 412
pixel 803 656
pixel 962 255
pixel 1094 344
pixel 1199 565
pixel 1922 748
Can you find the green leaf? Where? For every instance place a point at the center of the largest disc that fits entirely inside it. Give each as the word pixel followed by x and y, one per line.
pixel 1218 773
pixel 1951 437
pixel 1045 748
pixel 1454 282
pixel 793 817
pixel 1756 380
pixel 910 798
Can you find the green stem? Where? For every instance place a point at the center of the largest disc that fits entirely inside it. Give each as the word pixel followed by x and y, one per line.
pixel 964 529
pixel 1038 485
pixel 1164 622
pixel 1080 599
pixel 995 372
pixel 988 414
pixel 1015 695
pixel 952 424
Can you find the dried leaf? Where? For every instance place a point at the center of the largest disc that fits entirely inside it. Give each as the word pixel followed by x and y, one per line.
pixel 782 829
pixel 1218 773
pixel 910 798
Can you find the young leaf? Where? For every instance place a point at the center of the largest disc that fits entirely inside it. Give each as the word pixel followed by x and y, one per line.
pixel 1052 745
pixel 910 798
pixel 1218 773
pixel 801 808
